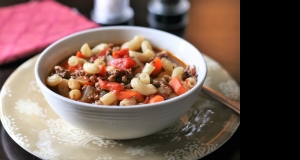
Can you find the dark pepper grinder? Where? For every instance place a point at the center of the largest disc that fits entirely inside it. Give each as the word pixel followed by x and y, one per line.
pixel 168 15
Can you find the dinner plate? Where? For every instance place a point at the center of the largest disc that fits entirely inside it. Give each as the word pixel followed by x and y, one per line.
pixel 32 124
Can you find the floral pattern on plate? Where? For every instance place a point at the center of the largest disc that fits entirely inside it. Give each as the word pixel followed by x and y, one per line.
pixel 33 125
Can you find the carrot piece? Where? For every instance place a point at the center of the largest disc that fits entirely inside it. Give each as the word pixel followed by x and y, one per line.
pixel 157 63
pixel 156 98
pixel 114 54
pixel 79 55
pixel 128 93
pixel 177 86
pixel 102 72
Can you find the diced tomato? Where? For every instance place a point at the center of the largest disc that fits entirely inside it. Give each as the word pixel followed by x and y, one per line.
pixel 177 86
pixel 111 86
pixel 128 93
pixel 122 63
pixel 102 53
pixel 123 53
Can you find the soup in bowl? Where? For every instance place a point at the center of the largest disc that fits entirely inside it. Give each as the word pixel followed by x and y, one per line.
pixel 121 82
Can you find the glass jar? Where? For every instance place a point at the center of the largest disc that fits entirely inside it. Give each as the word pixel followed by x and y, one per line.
pixel 168 15
pixel 112 12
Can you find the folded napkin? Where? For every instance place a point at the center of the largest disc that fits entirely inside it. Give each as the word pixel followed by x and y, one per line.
pixel 28 28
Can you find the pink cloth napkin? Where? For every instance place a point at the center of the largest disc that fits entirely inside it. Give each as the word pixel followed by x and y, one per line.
pixel 28 28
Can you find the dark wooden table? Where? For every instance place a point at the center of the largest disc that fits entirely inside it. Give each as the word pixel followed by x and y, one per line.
pixel 214 28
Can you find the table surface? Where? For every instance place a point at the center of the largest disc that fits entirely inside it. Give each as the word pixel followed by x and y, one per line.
pixel 213 28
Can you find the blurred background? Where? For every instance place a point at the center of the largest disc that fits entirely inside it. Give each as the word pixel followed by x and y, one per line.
pixel 213 26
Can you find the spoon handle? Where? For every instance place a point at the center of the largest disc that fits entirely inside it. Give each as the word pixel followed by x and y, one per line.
pixel 234 105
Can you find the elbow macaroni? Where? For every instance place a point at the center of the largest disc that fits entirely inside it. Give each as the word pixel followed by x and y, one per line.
pixel 91 68
pixel 86 50
pixel 75 94
pixel 147 52
pixel 133 44
pixel 178 71
pixel 53 80
pixel 128 101
pixel 98 48
pixel 146 46
pixel 191 82
pixel 145 78
pixel 148 69
pixel 142 57
pixel 168 65
pixel 73 84
pixel 109 98
pixel 144 89
pixel 74 61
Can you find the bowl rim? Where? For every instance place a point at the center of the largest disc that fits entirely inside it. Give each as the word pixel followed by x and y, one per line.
pixel 198 85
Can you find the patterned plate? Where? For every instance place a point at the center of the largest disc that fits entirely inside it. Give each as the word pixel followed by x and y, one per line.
pixel 32 124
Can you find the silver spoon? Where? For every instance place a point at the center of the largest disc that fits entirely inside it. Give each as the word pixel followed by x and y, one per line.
pixel 232 104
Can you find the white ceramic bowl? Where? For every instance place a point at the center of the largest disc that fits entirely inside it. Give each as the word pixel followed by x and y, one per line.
pixel 120 122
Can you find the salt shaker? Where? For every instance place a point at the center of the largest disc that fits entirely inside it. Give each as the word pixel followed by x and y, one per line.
pixel 112 12
pixel 168 15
